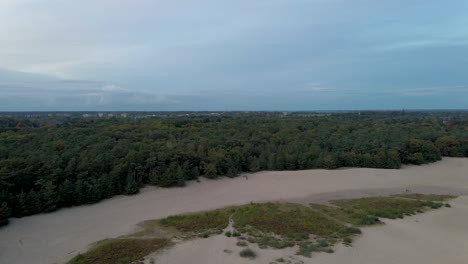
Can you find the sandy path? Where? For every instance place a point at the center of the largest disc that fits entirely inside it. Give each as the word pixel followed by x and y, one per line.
pixel 55 237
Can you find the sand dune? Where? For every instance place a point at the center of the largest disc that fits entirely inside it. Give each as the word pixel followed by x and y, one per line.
pixel 434 237
pixel 56 237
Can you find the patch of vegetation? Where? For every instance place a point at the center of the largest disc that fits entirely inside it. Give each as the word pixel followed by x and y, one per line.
pixel 241 243
pixel 119 251
pixel 265 241
pixel 248 253
pixel 364 219
pixel 199 222
pixel 277 225
pixel 339 214
pixel 350 230
pixel 205 235
pixel 306 248
pixel 426 197
pixel 386 207
pixel 347 241
pixel 288 220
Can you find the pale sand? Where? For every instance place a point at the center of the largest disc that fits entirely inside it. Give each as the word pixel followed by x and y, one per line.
pixel 435 237
pixel 56 237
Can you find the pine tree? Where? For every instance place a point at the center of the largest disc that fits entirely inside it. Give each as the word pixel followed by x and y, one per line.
pixel 94 192
pixel 154 176
pixel 80 193
pixel 66 191
pixel 132 186
pixel 22 204
pixel 180 177
pixel 107 186
pixel 49 197
pixel 5 212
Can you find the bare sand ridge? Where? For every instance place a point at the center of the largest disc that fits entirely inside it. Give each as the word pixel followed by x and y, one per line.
pixel 56 237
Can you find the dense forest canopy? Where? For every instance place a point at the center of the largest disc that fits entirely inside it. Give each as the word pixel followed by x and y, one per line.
pixel 48 162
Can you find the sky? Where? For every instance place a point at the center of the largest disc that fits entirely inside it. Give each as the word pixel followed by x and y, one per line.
pixel 155 55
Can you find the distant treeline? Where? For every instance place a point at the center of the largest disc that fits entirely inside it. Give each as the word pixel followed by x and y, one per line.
pixel 48 164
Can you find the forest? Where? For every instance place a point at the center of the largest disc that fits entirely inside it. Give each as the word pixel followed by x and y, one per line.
pixel 51 163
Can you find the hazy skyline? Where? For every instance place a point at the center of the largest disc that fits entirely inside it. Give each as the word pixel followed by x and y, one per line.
pixel 233 55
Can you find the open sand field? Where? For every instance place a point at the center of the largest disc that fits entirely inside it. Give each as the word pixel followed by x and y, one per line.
pixel 58 236
pixel 434 237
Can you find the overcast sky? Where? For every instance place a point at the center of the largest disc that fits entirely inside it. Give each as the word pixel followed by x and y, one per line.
pixel 233 55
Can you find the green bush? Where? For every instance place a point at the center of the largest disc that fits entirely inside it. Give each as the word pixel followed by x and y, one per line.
pixel 241 243
pixel 368 219
pixel 351 230
pixel 347 241
pixel 306 249
pixel 323 243
pixel 248 253
pixel 327 250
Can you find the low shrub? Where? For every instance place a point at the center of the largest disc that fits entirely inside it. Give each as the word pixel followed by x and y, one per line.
pixel 241 243
pixel 323 243
pixel 306 249
pixel 347 241
pixel 248 253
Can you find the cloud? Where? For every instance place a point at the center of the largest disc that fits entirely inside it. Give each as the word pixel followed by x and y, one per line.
pixel 431 91
pixel 405 45
pixel 211 54
pixel 26 90
pixel 316 87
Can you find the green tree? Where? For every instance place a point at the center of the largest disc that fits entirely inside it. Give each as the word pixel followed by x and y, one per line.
pixel 5 213
pixel 416 158
pixel 449 146
pixel 65 192
pixel 210 171
pixel 49 197
pixel 131 186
